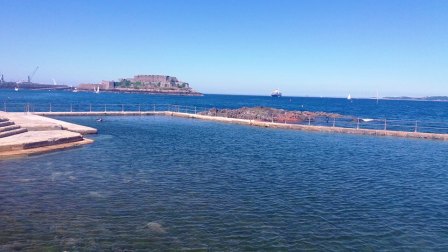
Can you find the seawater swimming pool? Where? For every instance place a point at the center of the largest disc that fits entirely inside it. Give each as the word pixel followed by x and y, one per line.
pixel 169 183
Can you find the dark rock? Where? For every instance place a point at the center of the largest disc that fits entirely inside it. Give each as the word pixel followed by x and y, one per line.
pixel 269 114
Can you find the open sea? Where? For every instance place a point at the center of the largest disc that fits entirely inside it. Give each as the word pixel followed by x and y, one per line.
pixel 163 183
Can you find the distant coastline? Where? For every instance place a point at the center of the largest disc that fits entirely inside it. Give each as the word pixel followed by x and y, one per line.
pixel 142 84
pixel 38 86
pixel 426 98
pixel 33 86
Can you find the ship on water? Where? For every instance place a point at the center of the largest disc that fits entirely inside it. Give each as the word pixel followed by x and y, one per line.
pixel 276 93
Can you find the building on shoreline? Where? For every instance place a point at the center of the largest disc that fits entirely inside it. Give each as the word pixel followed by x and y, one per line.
pixel 103 85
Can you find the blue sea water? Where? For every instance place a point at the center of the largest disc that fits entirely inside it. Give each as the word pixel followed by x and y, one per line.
pixel 364 108
pixel 162 183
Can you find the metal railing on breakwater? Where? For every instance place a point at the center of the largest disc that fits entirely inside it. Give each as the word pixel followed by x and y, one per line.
pixel 350 122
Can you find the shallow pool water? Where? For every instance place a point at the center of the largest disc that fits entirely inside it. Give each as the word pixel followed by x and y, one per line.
pixel 164 183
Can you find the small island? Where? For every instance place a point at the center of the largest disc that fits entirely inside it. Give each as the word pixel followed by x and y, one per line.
pixel 150 84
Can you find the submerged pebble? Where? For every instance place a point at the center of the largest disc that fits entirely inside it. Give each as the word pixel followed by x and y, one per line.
pixel 155 227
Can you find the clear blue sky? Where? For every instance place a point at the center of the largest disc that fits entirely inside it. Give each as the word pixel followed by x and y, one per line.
pixel 313 47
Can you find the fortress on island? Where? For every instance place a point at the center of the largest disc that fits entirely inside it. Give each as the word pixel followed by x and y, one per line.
pixel 157 84
pixel 163 81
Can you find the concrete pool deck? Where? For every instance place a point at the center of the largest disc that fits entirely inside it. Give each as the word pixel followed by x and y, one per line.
pixel 37 142
pixel 23 134
pixel 34 122
pixel 328 129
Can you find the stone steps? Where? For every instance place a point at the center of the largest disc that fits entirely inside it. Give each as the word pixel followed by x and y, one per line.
pixel 6 123
pixel 9 128
pixel 35 122
pixel 12 132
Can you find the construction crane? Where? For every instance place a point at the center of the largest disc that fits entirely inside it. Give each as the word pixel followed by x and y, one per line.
pixel 32 74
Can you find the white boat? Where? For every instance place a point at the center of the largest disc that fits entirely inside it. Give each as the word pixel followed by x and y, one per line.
pixel 276 93
pixel 75 90
pixel 97 89
pixel 349 97
pixel 16 89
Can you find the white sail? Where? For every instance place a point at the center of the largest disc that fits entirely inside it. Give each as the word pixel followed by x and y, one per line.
pixel 349 97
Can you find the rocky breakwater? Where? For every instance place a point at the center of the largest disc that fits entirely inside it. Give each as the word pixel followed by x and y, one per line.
pixel 266 114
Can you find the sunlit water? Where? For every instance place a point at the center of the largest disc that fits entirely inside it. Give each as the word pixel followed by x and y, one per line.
pixel 162 183
pixel 424 111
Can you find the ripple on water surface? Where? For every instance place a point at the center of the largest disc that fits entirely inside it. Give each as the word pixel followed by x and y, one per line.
pixel 169 183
